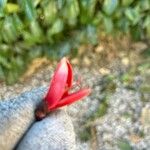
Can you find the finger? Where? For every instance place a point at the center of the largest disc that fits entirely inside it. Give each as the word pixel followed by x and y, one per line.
pixel 16 116
pixel 55 132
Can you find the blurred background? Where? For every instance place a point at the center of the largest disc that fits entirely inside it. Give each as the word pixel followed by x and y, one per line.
pixel 31 29
pixel 107 41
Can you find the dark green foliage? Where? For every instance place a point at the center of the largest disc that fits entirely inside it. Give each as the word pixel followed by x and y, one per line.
pixel 55 27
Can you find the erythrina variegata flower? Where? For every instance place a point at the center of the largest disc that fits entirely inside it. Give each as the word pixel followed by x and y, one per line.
pixel 58 94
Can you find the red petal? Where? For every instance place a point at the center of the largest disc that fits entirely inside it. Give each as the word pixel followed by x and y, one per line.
pixel 69 79
pixel 70 74
pixel 73 97
pixel 58 84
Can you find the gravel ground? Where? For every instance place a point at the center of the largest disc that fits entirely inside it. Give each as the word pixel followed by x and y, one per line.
pixel 126 123
pixel 123 122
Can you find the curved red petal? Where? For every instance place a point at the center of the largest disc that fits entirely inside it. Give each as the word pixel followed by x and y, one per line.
pixel 69 79
pixel 58 84
pixel 70 75
pixel 73 97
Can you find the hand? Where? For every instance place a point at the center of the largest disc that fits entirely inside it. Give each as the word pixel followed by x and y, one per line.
pixel 19 130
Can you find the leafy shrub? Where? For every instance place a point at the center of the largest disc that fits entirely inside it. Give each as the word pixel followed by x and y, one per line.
pixel 30 29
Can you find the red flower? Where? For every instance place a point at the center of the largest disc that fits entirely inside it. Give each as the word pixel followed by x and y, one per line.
pixel 58 94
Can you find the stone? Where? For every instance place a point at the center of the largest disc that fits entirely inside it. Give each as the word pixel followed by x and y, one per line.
pixel 145 116
pixel 16 116
pixel 55 132
pixel 19 130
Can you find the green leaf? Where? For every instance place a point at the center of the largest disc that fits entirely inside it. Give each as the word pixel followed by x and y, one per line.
pixel 148 31
pixel 136 32
pixel 71 11
pixel 28 8
pixel 35 35
pixel 4 62
pixel 146 25
pixel 133 15
pixel 97 19
pixel 110 6
pixel 36 2
pixel 36 31
pixel 145 5
pixel 17 23
pixel 124 145
pixel 30 39
pixel 2 6
pixel 108 24
pixel 57 27
pixel 130 14
pixel 12 8
pixel 88 6
pixel 146 22
pixel 19 62
pixel 50 11
pixel 3 3
pixel 60 4
pixel 11 77
pixel 9 32
pixel 126 2
pixel 87 10
pixel 123 24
